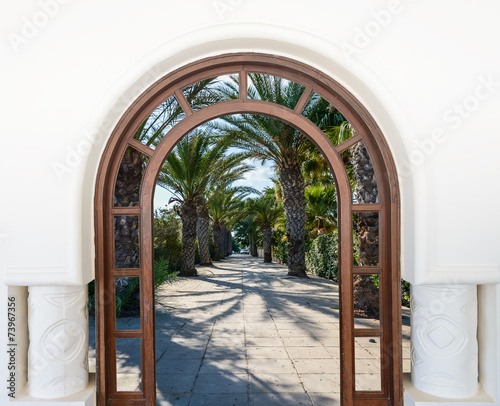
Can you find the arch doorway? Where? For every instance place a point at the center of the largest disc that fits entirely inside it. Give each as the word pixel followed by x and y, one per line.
pixel 385 208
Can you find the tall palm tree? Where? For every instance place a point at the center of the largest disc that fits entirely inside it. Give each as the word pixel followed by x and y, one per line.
pixel 367 295
pixel 268 139
pixel 195 165
pixel 226 205
pixel 321 209
pixel 265 211
pixel 234 170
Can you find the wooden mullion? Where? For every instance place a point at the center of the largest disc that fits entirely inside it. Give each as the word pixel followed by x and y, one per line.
pixel 304 98
pixel 366 207
pixel 367 270
pixel 243 85
pixel 126 273
pixel 183 102
pixel 348 143
pixel 128 334
pixel 148 151
pixel 126 211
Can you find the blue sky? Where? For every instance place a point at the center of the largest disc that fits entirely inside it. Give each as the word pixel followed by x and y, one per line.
pixel 259 178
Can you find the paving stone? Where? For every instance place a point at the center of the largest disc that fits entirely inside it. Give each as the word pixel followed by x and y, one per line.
pixel 279 399
pixel 317 366
pixel 322 383
pixel 267 352
pixel 274 383
pixel 221 383
pixel 219 399
pixel 270 366
pixel 308 352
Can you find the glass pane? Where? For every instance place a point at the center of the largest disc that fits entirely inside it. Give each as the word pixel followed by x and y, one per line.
pixel 366 239
pixel 128 181
pixel 128 365
pixel 126 241
pixel 366 295
pixel 368 373
pixel 212 90
pixel 128 303
pixel 360 169
pixel 159 122
pixel 274 89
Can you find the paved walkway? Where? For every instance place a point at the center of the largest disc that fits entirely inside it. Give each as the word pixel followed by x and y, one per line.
pixel 246 334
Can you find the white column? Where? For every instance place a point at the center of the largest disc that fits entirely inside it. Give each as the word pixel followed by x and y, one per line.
pixel 444 354
pixel 59 337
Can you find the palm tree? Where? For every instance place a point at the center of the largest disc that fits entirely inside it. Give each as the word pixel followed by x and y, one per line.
pixel 367 228
pixel 195 165
pixel 265 211
pixel 225 206
pixel 234 170
pixel 321 209
pixel 248 233
pixel 268 139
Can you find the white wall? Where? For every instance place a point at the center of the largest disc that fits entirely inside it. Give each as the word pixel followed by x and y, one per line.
pixel 71 68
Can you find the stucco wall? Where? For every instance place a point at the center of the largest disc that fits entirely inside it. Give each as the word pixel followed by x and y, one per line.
pixel 428 72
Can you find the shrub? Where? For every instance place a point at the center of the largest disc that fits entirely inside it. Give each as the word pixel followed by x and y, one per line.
pixel 322 257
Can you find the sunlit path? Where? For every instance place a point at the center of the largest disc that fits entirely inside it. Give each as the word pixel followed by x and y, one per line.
pixel 244 333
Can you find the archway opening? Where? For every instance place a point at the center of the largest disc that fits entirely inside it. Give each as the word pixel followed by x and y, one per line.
pixel 381 210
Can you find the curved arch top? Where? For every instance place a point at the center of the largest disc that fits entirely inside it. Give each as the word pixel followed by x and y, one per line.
pixel 367 131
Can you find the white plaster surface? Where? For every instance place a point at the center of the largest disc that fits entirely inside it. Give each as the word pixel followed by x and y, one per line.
pixel 70 70
pixel 444 352
pixel 58 328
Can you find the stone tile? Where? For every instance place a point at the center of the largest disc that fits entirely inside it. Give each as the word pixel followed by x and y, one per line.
pixel 224 365
pixel 263 342
pixel 216 399
pixel 280 399
pixel 325 399
pixel 282 382
pixel 317 366
pixel 269 333
pixel 178 366
pixel 302 342
pixel 128 382
pixel 221 383
pixel 267 352
pixel 270 366
pixel 308 352
pixel 225 352
pixel 172 399
pixel 368 382
pixel 175 383
pixel 179 352
pixel 321 383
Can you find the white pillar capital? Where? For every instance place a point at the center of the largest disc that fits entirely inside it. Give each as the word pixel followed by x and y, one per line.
pixel 444 353
pixel 58 332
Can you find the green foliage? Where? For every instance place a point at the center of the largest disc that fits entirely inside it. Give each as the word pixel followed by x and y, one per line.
pixel 280 250
pixel 322 258
pixel 405 293
pixel 162 273
pixel 167 238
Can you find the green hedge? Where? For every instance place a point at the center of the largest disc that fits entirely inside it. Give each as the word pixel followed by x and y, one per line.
pixel 322 257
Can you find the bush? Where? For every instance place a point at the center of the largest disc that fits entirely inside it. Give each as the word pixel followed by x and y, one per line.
pixel 280 251
pixel 322 258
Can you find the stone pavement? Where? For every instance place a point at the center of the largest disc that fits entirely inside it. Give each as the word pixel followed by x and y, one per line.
pixel 243 333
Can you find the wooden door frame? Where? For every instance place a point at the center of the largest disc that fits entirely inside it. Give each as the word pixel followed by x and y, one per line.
pixel 367 131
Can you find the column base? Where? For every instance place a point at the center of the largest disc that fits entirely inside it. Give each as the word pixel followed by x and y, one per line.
pixel 415 397
pixel 85 397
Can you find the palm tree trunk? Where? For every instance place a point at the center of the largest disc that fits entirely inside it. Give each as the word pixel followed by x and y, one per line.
pixel 229 245
pixel 217 232
pixel 223 242
pixel 202 228
pixel 366 294
pixel 294 203
pixel 189 220
pixel 253 247
pixel 266 242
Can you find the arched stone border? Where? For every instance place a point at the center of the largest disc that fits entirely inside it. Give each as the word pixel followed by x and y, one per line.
pixel 367 131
